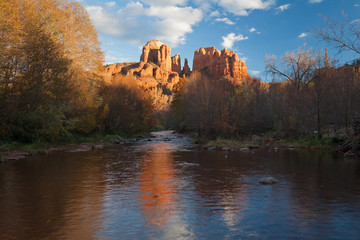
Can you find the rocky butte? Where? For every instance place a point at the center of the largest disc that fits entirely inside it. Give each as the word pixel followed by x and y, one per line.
pixel 218 64
pixel 159 73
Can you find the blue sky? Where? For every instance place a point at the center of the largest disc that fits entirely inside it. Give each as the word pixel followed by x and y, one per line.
pixel 251 28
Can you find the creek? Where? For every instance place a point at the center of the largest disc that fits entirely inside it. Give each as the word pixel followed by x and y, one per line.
pixel 167 188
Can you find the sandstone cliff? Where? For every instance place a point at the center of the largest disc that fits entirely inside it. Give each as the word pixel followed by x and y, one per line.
pixel 176 63
pixel 217 64
pixel 186 70
pixel 158 53
pixel 157 72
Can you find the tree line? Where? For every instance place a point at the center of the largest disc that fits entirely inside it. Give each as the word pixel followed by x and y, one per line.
pixel 309 96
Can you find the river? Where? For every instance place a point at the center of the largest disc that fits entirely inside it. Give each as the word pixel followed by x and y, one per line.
pixel 167 188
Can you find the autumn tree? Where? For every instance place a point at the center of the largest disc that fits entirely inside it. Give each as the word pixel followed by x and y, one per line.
pixel 126 108
pixel 49 71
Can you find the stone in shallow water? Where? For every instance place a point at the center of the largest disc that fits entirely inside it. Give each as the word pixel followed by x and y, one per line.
pixel 268 180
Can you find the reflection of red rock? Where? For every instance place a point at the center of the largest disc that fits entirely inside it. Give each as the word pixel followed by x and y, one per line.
pixel 217 64
pixel 158 193
pixel 176 63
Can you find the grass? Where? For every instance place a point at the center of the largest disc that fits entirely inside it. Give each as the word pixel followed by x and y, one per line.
pixel 305 143
pixel 230 143
pixel 72 142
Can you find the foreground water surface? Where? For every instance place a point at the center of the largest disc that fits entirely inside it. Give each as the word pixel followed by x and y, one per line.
pixel 167 189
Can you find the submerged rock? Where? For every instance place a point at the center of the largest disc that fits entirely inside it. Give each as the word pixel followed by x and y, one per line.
pixel 268 180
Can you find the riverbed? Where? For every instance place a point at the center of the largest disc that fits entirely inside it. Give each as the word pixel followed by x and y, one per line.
pixel 165 187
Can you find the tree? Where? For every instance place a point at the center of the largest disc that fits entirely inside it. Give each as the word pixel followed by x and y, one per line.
pixel 345 36
pixel 50 69
pixel 297 67
pixel 323 78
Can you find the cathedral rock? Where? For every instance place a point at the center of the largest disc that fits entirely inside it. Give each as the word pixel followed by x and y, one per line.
pixel 157 52
pixel 218 64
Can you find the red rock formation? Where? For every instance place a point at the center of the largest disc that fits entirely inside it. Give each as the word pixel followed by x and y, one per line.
pixel 158 53
pixel 173 78
pixel 186 70
pixel 217 64
pixel 160 74
pixel 146 71
pixel 176 63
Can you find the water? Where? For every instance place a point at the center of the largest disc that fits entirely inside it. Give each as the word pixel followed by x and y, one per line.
pixel 167 189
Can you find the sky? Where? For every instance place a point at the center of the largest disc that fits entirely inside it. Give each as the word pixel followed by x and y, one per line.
pixel 253 29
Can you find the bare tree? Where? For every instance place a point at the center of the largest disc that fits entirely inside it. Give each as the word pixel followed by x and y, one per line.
pixel 296 67
pixel 345 36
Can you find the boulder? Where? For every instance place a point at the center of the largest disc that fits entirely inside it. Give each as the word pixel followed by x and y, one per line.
pixel 173 78
pixel 268 180
pixel 146 71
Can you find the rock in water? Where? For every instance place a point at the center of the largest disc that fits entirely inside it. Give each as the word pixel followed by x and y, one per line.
pixel 268 180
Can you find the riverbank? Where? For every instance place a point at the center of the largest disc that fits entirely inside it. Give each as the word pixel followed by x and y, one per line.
pixel 18 150
pixel 255 141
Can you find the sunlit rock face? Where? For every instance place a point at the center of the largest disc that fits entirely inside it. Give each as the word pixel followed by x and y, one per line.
pixel 219 63
pixel 157 52
pixel 157 72
pixel 176 63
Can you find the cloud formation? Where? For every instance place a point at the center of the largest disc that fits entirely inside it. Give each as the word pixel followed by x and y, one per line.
pixel 166 20
pixel 283 7
pixel 231 38
pixel 302 35
pixel 315 1
pixel 225 20
pixel 252 29
pixel 110 4
pixel 244 7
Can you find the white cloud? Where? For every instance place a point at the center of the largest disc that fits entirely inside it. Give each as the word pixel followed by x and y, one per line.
pixel 111 59
pixel 244 59
pixel 254 72
pixel 243 7
pixel 302 35
pixel 315 1
pixel 167 20
pixel 214 14
pixel 357 5
pixel 137 23
pixel 252 29
pixel 165 2
pixel 231 38
pixel 110 4
pixel 283 7
pixel 225 20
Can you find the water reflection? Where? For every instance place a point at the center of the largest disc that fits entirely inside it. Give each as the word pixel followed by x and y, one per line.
pixel 159 190
pixel 42 200
pixel 157 184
